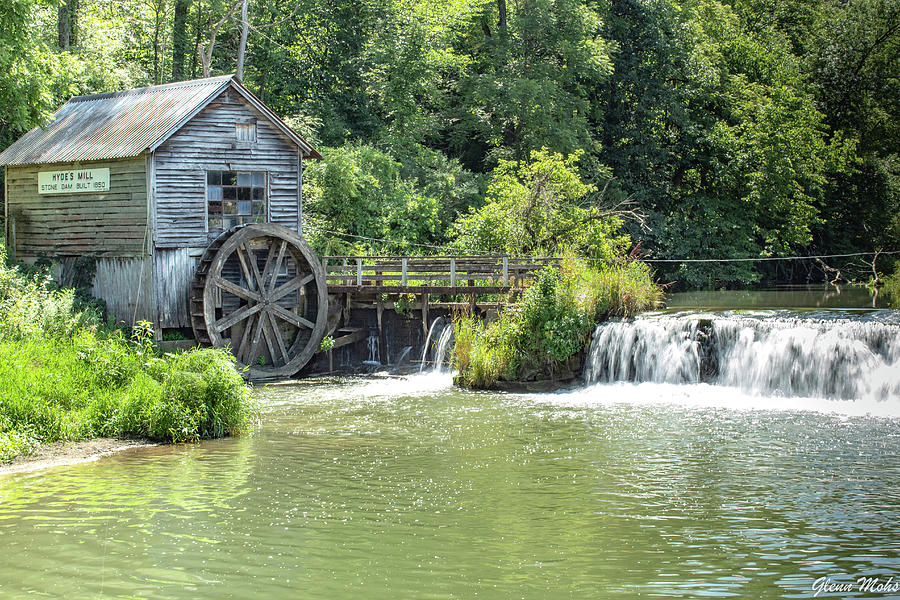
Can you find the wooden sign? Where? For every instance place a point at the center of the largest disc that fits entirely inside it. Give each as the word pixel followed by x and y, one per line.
pixel 73 181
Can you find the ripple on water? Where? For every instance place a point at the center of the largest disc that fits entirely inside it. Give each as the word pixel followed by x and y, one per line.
pixel 408 487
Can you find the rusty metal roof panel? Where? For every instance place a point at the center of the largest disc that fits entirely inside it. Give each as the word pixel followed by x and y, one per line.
pixel 113 125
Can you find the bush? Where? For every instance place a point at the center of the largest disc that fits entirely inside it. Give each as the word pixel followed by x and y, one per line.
pixel 551 323
pixel 65 377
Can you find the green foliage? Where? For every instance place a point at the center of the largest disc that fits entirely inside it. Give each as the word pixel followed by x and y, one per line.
pixel 741 128
pixel 327 344
pixel 551 323
pixel 891 289
pixel 65 377
pixel 369 196
pixel 536 208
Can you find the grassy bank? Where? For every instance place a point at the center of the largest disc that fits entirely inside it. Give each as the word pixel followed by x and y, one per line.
pixel 551 323
pixel 66 376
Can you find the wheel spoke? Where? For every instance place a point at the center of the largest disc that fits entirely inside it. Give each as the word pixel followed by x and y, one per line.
pixel 245 268
pixel 254 267
pixel 293 319
pixel 277 266
pixel 270 255
pixel 242 350
pixel 254 342
pixel 266 329
pixel 238 315
pixel 294 284
pixel 238 290
pixel 279 340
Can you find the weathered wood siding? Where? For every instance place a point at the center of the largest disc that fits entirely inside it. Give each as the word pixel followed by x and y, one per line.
pixel 173 270
pixel 208 142
pixel 112 223
pixel 125 284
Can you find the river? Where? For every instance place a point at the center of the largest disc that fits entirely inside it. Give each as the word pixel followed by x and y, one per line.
pixel 405 487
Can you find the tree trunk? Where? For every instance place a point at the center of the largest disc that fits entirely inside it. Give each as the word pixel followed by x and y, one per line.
pixel 198 29
pixel 501 12
pixel 179 39
pixel 64 24
pixel 242 49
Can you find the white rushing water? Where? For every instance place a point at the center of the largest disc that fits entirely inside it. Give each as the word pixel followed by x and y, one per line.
pixel 779 356
pixel 438 340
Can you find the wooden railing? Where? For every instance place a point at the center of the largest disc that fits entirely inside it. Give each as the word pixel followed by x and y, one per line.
pixel 430 274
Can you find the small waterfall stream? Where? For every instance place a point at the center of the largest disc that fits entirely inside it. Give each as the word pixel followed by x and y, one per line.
pixel 441 331
pixel 785 355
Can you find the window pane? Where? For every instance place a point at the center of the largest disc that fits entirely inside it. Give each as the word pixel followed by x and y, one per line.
pixel 259 219
pixel 229 177
pixel 259 208
pixel 214 192
pixel 229 193
pixel 230 208
pixel 214 177
pixel 215 208
pixel 243 193
pixel 259 178
pixel 243 179
pixel 259 193
pixel 215 223
pixel 244 208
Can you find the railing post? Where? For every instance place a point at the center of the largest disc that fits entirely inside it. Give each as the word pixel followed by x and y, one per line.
pixel 452 272
pixel 403 276
pixel 359 272
pixel 505 270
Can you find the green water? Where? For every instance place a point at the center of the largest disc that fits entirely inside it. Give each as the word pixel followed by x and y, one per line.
pixel 408 488
pixel 795 296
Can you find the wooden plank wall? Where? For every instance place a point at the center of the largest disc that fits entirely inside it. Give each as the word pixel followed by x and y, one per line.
pixel 110 223
pixel 173 269
pixel 123 283
pixel 207 142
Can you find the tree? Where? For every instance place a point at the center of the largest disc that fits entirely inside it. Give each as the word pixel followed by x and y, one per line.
pixel 180 40
pixel 536 208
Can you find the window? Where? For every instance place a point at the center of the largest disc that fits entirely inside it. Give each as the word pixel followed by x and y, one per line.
pixel 245 132
pixel 234 198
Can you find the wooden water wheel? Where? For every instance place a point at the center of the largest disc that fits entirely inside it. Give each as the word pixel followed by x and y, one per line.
pixel 260 291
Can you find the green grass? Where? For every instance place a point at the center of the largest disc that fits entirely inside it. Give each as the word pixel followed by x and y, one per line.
pixel 65 376
pixel 551 323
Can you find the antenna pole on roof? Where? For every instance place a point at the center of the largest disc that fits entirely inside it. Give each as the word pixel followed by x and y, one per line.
pixel 243 47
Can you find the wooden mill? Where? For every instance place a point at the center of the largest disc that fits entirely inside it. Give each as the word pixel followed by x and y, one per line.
pixel 185 200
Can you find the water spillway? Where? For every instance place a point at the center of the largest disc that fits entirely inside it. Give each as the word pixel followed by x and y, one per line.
pixel 783 353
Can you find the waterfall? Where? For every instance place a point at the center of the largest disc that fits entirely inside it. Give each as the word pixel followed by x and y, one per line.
pixel 373 348
pixel 434 324
pixel 441 332
pixel 441 346
pixel 788 356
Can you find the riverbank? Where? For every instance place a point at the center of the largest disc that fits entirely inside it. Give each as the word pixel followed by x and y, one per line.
pixel 69 377
pixel 62 454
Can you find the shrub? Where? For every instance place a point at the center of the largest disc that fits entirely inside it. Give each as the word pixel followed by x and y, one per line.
pixel 551 323
pixel 65 377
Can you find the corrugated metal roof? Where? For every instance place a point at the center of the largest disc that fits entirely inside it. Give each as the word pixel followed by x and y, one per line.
pixel 123 124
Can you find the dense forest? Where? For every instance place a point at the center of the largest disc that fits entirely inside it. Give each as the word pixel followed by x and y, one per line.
pixel 671 128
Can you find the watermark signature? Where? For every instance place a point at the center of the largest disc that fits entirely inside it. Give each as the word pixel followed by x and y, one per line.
pixel 863 585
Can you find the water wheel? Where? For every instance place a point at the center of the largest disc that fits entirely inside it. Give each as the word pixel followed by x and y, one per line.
pixel 260 291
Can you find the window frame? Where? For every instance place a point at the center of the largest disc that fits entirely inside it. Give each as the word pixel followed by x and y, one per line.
pixel 240 218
